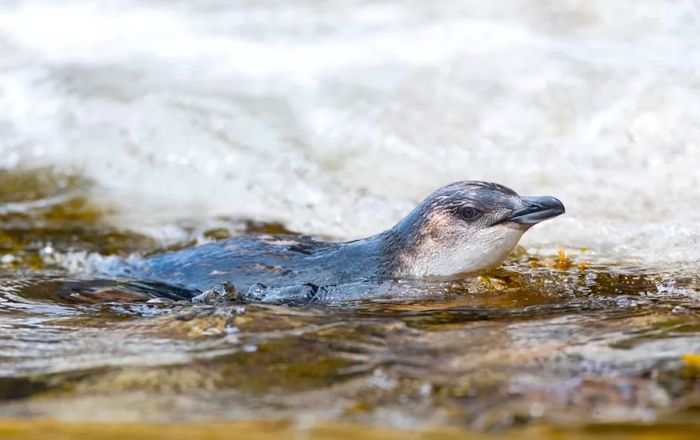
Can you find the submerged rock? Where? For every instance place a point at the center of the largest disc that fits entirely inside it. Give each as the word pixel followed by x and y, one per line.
pixel 225 292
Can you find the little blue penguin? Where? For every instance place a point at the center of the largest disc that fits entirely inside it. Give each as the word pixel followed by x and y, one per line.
pixel 460 229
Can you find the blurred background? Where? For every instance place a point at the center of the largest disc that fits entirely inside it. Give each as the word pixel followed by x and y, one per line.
pixel 335 117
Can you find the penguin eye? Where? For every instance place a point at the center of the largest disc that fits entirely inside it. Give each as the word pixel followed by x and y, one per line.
pixel 469 213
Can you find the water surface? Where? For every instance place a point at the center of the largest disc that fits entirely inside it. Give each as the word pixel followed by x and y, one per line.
pixel 558 340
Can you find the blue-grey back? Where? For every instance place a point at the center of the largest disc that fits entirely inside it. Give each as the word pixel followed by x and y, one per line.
pixel 270 260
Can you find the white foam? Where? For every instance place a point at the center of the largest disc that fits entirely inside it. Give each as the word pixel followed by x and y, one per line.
pixel 337 119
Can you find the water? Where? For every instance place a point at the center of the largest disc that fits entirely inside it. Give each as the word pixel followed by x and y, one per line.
pixel 131 127
pixel 559 340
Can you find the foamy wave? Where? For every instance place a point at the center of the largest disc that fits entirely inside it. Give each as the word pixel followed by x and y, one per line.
pixel 336 120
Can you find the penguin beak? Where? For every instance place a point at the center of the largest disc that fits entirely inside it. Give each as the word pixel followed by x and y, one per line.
pixel 535 210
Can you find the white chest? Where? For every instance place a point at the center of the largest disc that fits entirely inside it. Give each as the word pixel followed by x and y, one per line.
pixel 478 252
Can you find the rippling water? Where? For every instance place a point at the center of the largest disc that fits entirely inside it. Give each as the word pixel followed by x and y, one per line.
pixel 132 127
pixel 558 339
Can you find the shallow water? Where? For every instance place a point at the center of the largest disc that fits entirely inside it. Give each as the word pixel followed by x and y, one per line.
pixel 176 123
pixel 558 340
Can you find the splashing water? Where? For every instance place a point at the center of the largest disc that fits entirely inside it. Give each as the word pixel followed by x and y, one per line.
pixel 293 112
